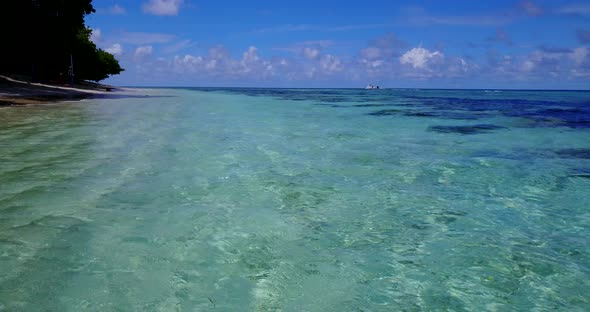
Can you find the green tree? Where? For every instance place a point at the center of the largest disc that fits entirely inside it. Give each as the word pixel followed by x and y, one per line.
pixel 91 63
pixel 108 65
pixel 41 36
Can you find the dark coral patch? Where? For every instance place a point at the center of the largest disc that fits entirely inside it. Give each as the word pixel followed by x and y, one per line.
pixel 420 114
pixel 473 129
pixel 427 114
pixel 387 112
pixel 583 153
pixel 372 105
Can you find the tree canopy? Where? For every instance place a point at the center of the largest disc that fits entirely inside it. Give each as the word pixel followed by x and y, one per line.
pixel 42 37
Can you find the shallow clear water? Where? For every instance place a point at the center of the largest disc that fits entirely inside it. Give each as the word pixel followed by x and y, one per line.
pixel 297 200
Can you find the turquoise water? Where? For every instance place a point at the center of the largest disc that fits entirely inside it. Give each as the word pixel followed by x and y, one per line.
pixel 297 200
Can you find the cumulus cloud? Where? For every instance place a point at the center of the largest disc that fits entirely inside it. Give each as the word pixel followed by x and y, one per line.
pixel 542 63
pixel 330 64
pixel 311 53
pixel 580 55
pixel 187 64
pixel 251 55
pixel 162 7
pixel 250 60
pixel 143 52
pixel 378 58
pixel 371 53
pixel 310 50
pixel 381 60
pixel 529 65
pixel 116 49
pixel 421 58
pixel 218 63
pixel 251 66
pixel 387 57
pixel 459 67
pixel 96 36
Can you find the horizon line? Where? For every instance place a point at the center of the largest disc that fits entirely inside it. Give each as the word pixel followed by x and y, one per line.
pixel 347 88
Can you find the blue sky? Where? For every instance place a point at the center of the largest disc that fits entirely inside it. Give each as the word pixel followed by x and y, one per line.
pixel 425 44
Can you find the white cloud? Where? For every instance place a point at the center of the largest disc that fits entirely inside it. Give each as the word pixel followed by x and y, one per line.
pixel 251 64
pixel 310 50
pixel 188 63
pixel 383 60
pixel 543 63
pixel 528 65
pixel 459 67
pixel 330 64
pixel 420 57
pixel 381 50
pixel 117 10
pixel 371 53
pixel 580 55
pixel 143 52
pixel 162 7
pixel 218 64
pixel 373 64
pixel 96 36
pixel 116 49
pixel 379 58
pixel 97 39
pixel 251 55
pixel 211 64
pixel 311 53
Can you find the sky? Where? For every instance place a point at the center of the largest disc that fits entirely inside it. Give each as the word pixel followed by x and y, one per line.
pixel 508 44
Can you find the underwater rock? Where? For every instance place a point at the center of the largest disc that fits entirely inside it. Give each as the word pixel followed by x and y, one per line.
pixel 474 129
pixel 583 153
pixel 387 112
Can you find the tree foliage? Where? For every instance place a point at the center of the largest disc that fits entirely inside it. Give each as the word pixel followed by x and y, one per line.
pixel 93 63
pixel 41 37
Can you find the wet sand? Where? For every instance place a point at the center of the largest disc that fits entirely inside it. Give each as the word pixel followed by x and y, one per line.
pixel 17 92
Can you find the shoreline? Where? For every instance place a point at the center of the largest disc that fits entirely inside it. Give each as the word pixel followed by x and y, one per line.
pixel 14 92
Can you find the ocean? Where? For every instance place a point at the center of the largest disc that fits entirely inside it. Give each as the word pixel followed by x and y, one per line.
pixel 205 199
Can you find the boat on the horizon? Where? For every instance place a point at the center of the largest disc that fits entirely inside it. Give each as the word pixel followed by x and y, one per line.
pixel 371 87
